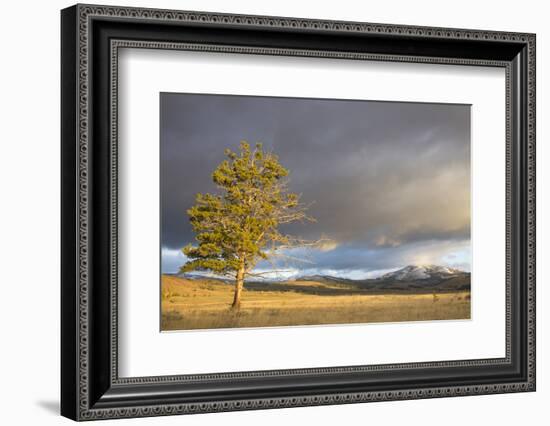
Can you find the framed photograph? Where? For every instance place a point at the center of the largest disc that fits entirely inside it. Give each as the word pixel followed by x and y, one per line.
pixel 263 212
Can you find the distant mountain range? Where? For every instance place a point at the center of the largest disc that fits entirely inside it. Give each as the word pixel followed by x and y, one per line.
pixel 422 272
pixel 410 278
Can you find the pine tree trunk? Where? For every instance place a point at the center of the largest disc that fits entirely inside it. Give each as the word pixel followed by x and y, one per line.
pixel 239 282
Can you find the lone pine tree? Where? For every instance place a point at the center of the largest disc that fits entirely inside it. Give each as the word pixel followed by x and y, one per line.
pixel 238 227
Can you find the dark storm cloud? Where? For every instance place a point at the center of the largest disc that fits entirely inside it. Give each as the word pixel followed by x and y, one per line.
pixel 383 177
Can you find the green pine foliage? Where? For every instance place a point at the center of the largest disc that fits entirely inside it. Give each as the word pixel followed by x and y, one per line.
pixel 238 227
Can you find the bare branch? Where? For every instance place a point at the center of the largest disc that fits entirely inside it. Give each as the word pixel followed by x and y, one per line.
pixel 289 258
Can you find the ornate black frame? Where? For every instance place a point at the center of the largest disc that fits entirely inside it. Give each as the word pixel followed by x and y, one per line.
pixel 91 37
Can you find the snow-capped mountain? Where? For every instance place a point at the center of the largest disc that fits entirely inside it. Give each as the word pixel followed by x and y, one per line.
pixel 409 273
pixel 412 278
pixel 421 272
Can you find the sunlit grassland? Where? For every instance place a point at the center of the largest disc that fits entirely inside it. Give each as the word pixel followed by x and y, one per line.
pixel 206 304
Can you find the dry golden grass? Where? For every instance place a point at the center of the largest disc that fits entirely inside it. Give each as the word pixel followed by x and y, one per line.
pixel 202 304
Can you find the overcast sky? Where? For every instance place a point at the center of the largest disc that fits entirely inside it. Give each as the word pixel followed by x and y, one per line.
pixel 389 181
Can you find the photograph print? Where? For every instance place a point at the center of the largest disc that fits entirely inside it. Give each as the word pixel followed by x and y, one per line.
pixel 279 211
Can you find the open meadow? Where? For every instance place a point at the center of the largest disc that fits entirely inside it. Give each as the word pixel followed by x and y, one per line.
pixel 188 304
